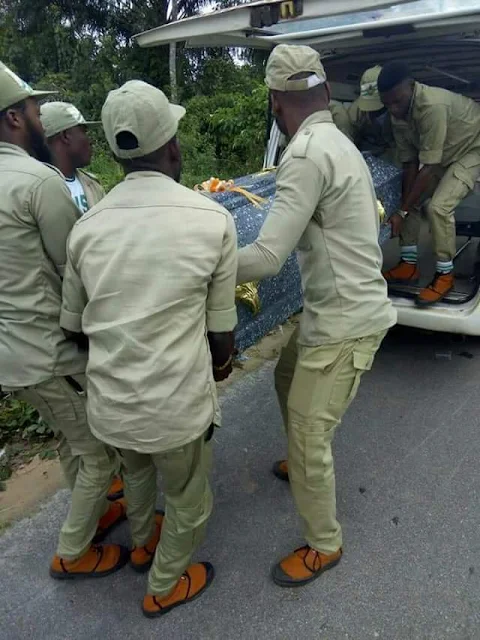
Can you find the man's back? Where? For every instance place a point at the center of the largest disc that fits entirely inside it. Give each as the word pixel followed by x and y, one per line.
pixel 146 256
pixel 339 255
pixel 33 226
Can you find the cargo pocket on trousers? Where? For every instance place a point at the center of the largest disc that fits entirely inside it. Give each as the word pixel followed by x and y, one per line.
pixel 361 362
pixel 191 519
pixel 467 171
pixel 317 457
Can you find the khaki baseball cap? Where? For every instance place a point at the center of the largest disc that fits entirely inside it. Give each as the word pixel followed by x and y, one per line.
pixel 369 97
pixel 144 111
pixel 60 116
pixel 288 60
pixel 13 89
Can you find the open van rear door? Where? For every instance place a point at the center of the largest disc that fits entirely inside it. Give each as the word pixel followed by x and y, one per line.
pixel 239 26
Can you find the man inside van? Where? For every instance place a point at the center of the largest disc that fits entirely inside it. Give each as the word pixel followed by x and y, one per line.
pixel 371 127
pixel 437 133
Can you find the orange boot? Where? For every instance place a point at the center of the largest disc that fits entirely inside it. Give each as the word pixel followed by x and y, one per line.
pixel 403 273
pixel 303 566
pixel 191 585
pixel 97 562
pixel 117 513
pixel 441 286
pixel 280 470
pixel 141 558
pixel 116 489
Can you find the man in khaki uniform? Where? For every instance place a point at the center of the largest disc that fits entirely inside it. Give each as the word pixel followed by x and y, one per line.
pixel 325 206
pixel 341 118
pixel 441 131
pixel 370 120
pixel 37 362
pixel 150 279
pixel 66 133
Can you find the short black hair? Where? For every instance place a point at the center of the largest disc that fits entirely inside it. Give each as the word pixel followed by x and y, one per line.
pixel 393 74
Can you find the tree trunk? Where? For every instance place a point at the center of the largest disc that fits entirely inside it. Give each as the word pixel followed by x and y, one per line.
pixel 173 57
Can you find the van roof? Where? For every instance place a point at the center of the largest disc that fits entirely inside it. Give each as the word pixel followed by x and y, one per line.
pixel 437 38
pixel 265 23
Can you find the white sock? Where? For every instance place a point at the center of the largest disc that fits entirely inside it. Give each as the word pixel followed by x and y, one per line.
pixel 409 254
pixel 445 267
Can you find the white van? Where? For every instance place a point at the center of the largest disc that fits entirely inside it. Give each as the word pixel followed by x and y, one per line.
pixel 439 39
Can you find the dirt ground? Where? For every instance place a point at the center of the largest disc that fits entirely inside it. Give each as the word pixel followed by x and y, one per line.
pixel 36 481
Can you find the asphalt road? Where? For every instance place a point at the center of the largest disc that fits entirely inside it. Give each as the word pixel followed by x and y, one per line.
pixel 408 485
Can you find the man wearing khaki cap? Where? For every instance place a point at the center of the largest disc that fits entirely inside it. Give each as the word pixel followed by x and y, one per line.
pixel 370 120
pixel 71 150
pixel 325 206
pixel 150 280
pixel 37 362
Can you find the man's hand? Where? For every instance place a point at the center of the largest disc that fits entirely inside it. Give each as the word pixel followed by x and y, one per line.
pixel 222 347
pixel 396 222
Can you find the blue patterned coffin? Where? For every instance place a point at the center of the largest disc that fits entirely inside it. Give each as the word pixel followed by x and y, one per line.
pixel 281 296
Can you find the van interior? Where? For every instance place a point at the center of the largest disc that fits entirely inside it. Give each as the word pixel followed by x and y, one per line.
pixel 439 39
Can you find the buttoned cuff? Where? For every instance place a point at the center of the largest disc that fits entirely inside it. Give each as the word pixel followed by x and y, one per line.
pixel 222 321
pixel 430 157
pixel 71 321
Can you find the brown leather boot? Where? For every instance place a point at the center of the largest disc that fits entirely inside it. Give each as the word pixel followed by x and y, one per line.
pixel 280 470
pixel 97 562
pixel 141 558
pixel 442 284
pixel 403 273
pixel 303 566
pixel 117 513
pixel 191 585
pixel 116 489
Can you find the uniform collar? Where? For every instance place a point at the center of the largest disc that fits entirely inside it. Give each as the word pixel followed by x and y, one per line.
pixel 146 174
pixel 6 147
pixel 317 118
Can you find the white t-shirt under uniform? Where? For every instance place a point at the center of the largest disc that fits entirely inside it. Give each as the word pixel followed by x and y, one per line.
pixel 78 194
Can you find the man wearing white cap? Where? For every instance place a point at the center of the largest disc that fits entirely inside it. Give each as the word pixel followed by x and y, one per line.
pixel 150 280
pixel 37 361
pixel 370 120
pixel 71 150
pixel 325 206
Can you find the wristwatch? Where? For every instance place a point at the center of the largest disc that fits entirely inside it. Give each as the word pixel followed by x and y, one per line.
pixel 403 214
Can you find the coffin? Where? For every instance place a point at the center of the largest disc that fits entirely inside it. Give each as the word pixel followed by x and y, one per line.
pixel 263 306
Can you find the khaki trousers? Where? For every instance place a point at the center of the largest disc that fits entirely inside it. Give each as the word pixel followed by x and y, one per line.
pixel 88 464
pixel 188 503
pixel 449 189
pixel 315 386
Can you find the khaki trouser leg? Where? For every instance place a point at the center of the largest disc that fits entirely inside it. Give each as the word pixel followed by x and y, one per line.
pixel 64 410
pixel 188 504
pixel 411 229
pixel 68 462
pixel 140 483
pixel 455 184
pixel 284 375
pixel 325 382
pixel 411 226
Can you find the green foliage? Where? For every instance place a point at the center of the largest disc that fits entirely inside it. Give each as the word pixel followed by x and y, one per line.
pixel 20 421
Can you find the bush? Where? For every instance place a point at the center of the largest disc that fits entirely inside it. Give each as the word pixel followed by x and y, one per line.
pixel 20 421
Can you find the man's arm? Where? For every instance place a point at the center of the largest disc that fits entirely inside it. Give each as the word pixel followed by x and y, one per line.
pixel 433 131
pixel 74 301
pixel 55 213
pixel 221 309
pixel 299 189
